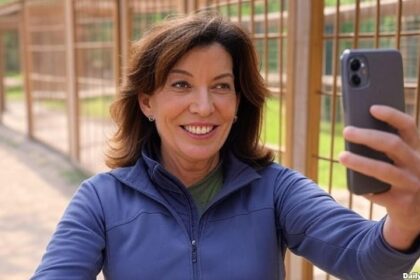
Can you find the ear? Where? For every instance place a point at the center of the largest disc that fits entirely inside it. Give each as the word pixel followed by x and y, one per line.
pixel 145 104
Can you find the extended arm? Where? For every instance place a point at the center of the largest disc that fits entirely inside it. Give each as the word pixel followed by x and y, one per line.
pixel 76 248
pixel 332 237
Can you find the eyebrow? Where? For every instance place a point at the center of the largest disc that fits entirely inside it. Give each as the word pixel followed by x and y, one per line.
pixel 180 71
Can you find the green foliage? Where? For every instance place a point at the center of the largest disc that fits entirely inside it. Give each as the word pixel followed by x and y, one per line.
pixel 11 48
pixel 272 124
pixel 329 3
pixel 6 1
pixel 95 107
pixel 14 93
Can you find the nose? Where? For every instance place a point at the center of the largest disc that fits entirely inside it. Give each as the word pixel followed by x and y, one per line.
pixel 202 103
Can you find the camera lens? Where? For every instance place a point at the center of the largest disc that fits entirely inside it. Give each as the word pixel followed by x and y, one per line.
pixel 355 64
pixel 356 80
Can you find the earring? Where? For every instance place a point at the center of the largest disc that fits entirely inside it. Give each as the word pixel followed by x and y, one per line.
pixel 151 118
pixel 235 119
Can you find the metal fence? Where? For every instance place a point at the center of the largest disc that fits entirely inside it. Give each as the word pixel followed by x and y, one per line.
pixel 74 53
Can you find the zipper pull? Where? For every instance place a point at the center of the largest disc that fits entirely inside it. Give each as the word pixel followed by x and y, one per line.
pixel 194 251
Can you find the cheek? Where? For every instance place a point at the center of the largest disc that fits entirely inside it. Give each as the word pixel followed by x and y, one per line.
pixel 227 107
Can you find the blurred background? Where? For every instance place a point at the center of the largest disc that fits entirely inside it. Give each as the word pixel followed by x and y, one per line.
pixel 62 61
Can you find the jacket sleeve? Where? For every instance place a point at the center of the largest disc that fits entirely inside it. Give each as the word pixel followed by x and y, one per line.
pixel 334 238
pixel 76 248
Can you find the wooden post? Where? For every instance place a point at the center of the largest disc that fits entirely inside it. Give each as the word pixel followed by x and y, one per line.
pixel 120 33
pixel 188 6
pixel 26 64
pixel 304 82
pixel 72 94
pixel 2 87
pixel 124 19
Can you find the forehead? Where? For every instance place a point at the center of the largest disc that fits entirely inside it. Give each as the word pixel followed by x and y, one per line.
pixel 213 57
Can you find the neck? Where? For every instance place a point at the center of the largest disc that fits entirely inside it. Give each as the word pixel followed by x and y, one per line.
pixel 187 171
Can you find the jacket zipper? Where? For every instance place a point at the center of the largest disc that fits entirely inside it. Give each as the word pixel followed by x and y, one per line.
pixel 194 251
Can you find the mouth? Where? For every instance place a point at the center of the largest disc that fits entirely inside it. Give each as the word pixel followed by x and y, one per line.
pixel 199 130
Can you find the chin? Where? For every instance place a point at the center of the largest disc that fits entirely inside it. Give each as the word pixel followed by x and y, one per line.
pixel 201 153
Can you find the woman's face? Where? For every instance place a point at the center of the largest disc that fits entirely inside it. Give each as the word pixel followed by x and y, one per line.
pixel 194 110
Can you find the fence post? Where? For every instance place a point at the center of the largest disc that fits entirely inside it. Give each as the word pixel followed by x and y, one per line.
pixel 2 88
pixel 72 94
pixel 124 19
pixel 304 74
pixel 188 6
pixel 26 65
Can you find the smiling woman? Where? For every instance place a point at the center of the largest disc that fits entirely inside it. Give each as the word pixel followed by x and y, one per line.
pixel 194 111
pixel 194 196
pixel 207 59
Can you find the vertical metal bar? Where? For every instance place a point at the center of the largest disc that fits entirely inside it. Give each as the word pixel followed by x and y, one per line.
pixel 240 11
pixel 290 86
pixel 355 45
pixel 398 29
pixel 281 86
pixel 252 18
pixel 356 24
pixel 377 23
pixel 334 90
pixel 27 68
pixel 72 102
pixel 377 36
pixel 266 40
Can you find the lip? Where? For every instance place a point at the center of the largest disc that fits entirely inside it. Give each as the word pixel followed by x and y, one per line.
pixel 200 124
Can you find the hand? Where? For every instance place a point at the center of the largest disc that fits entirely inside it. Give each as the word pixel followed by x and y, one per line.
pixel 402 201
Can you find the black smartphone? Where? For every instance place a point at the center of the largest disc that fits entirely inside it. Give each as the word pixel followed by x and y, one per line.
pixel 369 77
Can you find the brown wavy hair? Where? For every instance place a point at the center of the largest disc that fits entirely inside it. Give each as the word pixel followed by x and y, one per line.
pixel 151 60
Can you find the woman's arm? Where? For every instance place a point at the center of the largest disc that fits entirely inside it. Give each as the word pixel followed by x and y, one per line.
pixel 77 246
pixel 333 237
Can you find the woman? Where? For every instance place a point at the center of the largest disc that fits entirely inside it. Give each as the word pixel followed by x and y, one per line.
pixel 192 194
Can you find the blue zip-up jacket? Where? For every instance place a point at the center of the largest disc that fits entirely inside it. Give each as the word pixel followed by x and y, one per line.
pixel 140 222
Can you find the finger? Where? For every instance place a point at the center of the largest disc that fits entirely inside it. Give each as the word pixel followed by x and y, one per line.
pixel 380 170
pixel 388 143
pixel 404 123
pixel 383 199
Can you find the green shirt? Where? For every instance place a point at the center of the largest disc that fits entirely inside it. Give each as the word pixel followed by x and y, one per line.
pixel 205 190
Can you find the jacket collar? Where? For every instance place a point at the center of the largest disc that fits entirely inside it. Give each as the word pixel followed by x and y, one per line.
pixel 148 173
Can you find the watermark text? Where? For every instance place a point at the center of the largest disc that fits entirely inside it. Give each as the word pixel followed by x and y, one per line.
pixel 411 275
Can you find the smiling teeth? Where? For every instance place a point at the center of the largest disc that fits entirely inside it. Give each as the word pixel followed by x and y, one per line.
pixel 199 130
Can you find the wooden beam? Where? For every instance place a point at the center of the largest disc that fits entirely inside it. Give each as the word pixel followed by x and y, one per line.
pixel 10 8
pixel 2 88
pixel 26 64
pixel 125 20
pixel 117 42
pixel 72 94
pixel 305 45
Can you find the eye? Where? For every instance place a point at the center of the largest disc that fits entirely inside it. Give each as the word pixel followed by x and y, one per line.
pixel 223 86
pixel 181 84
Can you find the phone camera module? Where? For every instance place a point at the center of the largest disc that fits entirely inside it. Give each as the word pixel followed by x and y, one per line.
pixel 356 80
pixel 355 64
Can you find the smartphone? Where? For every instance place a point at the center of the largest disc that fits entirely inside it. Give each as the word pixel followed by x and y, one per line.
pixel 369 77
